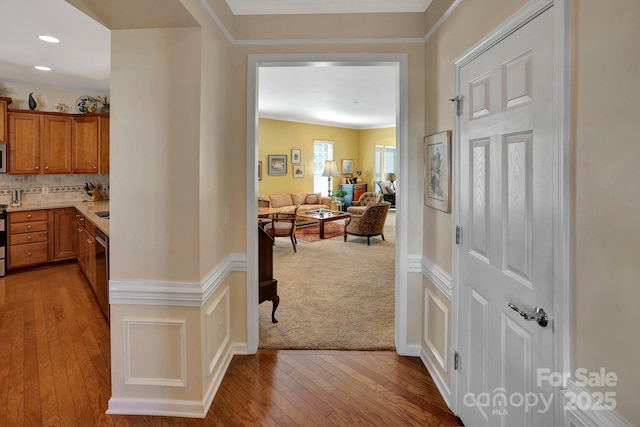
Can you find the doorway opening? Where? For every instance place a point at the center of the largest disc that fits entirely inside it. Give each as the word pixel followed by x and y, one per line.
pixel 399 64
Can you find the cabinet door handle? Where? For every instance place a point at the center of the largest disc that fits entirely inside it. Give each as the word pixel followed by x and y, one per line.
pixel 46 168
pixel 95 167
pixel 29 216
pixel 28 237
pixel 28 253
pixel 28 227
pixel 37 168
pixel 89 241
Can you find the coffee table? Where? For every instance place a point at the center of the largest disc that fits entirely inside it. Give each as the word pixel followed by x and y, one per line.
pixel 321 216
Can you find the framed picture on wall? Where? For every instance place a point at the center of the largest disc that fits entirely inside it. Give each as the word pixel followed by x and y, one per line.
pixel 259 170
pixel 295 156
pixel 277 164
pixel 298 171
pixel 347 166
pixel 437 171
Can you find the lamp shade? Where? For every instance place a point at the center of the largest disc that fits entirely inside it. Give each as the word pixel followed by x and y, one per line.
pixel 330 168
pixel 391 177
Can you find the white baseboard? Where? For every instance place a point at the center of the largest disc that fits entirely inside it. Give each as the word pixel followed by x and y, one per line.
pixel 410 350
pixel 582 409
pixel 437 378
pixel 234 349
pixel 177 408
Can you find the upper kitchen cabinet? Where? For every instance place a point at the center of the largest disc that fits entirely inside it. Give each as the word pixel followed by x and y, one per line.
pixel 91 144
pixel 39 143
pixel 48 143
pixel 4 103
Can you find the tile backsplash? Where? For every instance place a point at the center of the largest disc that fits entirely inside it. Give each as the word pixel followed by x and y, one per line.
pixel 60 187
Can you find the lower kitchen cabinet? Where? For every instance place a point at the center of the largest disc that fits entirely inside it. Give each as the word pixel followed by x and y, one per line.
pixel 86 248
pixel 41 236
pixel 64 234
pixel 28 238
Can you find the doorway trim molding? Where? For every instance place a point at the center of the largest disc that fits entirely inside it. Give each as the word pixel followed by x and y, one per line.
pixel 562 311
pixel 401 62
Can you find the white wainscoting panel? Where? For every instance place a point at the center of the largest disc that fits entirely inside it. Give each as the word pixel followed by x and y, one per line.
pixel 584 409
pixel 436 313
pixel 151 357
pixel 217 330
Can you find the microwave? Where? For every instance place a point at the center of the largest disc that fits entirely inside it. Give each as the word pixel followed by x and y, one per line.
pixel 3 158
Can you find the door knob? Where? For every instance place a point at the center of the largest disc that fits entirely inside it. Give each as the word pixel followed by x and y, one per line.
pixel 539 315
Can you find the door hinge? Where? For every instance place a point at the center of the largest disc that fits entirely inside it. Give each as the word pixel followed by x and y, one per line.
pixel 458 102
pixel 458 234
pixel 456 361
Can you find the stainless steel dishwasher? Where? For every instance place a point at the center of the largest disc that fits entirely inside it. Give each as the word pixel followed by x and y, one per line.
pixel 102 271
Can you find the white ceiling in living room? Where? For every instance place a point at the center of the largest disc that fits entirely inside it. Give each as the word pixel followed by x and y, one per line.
pixel 357 97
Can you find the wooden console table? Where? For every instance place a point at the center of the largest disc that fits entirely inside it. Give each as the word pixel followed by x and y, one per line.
pixel 268 285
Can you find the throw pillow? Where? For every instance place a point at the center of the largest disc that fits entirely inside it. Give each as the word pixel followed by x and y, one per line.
pixel 312 199
pixel 280 200
pixel 298 198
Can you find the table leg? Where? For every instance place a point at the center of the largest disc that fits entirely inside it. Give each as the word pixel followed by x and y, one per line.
pixel 321 229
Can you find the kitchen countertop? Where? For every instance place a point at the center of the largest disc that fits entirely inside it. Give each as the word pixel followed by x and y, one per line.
pixel 89 210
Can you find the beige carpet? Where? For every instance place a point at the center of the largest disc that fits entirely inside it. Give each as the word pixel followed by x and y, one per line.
pixel 333 295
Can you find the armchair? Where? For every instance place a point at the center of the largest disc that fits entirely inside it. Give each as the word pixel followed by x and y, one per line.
pixel 368 198
pixel 283 225
pixel 370 223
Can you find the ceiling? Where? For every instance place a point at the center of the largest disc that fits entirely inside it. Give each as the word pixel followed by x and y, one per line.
pixel 355 97
pixel 269 7
pixel 80 61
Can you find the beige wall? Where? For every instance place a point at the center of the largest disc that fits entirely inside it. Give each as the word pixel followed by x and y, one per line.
pixel 155 154
pixel 606 194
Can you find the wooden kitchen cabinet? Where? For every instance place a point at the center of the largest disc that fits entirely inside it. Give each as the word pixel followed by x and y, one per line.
pixel 4 103
pixel 86 250
pixel 64 240
pixel 39 143
pixel 91 144
pixel 28 238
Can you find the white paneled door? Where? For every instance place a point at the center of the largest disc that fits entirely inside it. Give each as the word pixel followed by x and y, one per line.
pixel 506 213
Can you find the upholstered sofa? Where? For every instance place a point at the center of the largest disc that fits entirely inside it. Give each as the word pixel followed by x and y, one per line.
pixel 287 201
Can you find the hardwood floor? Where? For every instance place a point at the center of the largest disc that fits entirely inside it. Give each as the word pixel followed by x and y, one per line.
pixel 55 371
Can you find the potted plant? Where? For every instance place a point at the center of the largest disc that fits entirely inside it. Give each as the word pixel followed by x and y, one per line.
pixel 339 194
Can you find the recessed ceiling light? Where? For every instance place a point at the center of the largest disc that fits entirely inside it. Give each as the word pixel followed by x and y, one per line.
pixel 42 68
pixel 49 39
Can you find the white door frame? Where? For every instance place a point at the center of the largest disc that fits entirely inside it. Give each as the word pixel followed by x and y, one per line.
pixel 561 316
pixel 401 61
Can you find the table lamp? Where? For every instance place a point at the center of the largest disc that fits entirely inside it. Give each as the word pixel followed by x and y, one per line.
pixel 330 169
